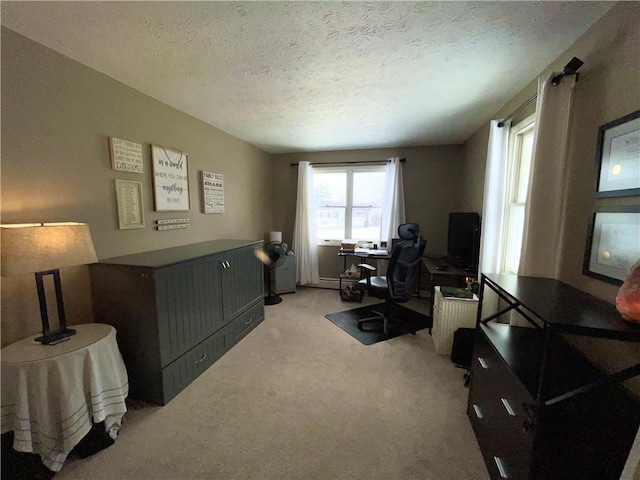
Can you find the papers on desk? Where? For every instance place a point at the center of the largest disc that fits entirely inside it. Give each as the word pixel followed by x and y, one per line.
pixel 368 251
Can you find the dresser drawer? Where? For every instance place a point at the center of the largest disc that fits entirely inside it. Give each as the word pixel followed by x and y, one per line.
pixel 498 407
pixel 239 327
pixel 180 373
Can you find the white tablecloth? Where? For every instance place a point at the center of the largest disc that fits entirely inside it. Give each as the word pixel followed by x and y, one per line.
pixel 51 394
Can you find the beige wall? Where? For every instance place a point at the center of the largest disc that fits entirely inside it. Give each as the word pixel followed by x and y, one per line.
pixel 608 88
pixel 432 184
pixel 57 116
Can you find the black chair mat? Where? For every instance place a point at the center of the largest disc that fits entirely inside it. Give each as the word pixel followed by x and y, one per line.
pixel 408 321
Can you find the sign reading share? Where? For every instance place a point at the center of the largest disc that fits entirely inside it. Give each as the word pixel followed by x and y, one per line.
pixel 170 179
pixel 213 192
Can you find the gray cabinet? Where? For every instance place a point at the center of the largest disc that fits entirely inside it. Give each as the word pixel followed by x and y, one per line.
pixel 178 310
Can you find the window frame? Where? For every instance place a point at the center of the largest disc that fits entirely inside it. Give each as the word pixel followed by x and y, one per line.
pixel 517 134
pixel 349 170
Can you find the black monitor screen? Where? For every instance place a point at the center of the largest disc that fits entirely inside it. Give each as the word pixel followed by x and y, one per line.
pixel 463 243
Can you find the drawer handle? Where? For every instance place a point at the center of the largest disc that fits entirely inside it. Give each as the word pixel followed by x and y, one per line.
pixel 503 472
pixel 507 407
pixel 202 359
pixel 247 322
pixel 477 411
pixel 228 264
pixel 483 364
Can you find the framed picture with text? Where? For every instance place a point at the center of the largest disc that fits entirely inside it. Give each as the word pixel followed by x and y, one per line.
pixel 618 157
pixel 129 203
pixel 613 243
pixel 170 179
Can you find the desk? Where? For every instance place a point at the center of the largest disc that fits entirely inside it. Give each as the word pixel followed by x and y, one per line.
pixel 347 282
pixel 452 276
pixel 51 393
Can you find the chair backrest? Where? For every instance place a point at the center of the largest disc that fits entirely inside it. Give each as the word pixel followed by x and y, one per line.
pixel 404 264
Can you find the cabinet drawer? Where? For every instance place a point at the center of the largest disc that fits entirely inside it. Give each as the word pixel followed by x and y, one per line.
pixel 180 373
pixel 239 327
pixel 498 407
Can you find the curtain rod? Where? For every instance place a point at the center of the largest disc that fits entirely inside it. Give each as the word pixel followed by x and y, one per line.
pixel 402 160
pixel 570 68
pixel 513 114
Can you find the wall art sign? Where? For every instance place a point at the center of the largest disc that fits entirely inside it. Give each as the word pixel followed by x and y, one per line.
pixel 618 157
pixel 212 192
pixel 125 155
pixel 129 204
pixel 170 179
pixel 172 224
pixel 613 243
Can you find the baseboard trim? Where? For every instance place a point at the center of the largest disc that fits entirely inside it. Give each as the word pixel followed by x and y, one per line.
pixel 327 283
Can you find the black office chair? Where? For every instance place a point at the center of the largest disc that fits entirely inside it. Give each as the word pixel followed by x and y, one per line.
pixel 399 282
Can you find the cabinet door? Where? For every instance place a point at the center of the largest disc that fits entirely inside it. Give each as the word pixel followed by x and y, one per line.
pixel 189 303
pixel 242 280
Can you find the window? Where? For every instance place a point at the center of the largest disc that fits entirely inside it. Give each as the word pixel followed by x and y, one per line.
pixel 348 202
pixel 520 154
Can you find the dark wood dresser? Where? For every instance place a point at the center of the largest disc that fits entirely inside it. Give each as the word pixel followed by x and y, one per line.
pixel 178 310
pixel 539 408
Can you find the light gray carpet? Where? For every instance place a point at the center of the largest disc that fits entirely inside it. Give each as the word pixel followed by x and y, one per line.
pixel 299 398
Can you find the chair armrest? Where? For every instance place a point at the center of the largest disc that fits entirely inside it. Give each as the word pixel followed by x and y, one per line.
pixel 366 266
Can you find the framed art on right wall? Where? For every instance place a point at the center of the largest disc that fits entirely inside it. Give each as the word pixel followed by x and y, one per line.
pixel 618 157
pixel 613 243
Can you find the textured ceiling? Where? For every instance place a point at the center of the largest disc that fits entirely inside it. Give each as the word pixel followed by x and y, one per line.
pixel 313 76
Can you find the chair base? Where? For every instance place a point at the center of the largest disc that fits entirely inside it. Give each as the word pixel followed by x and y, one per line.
pixel 380 317
pixel 376 318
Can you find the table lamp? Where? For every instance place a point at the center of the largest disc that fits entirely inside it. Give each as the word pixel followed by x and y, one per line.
pixel 43 248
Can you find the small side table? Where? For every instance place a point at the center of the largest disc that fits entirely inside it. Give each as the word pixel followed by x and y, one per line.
pixel 449 314
pixel 52 393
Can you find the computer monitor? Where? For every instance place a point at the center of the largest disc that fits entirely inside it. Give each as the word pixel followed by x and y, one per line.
pixel 463 241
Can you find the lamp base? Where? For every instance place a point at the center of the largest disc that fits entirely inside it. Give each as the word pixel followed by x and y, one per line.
pixel 53 338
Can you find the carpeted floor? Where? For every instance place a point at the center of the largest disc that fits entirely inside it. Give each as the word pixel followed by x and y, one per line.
pixel 404 321
pixel 299 399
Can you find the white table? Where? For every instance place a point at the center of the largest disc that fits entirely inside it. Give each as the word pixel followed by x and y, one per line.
pixel 52 393
pixel 450 314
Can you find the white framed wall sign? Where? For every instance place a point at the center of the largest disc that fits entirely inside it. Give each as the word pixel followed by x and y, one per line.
pixel 212 192
pixel 129 203
pixel 125 155
pixel 170 179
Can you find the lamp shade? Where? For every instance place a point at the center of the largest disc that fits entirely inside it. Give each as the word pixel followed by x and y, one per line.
pixel 37 247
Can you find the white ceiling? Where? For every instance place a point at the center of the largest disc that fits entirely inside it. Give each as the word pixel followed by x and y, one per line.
pixel 315 76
